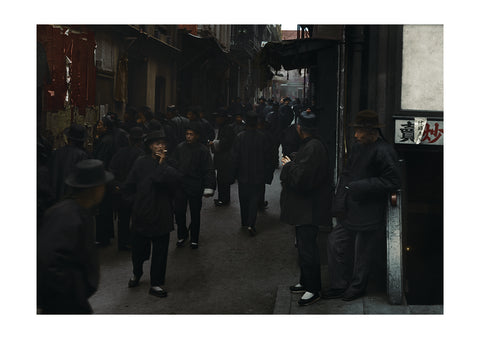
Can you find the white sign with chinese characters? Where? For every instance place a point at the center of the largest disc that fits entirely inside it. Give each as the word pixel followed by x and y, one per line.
pixel 406 132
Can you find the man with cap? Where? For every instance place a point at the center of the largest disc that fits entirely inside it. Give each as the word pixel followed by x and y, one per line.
pixel 260 108
pixel 305 202
pixel 67 261
pixel 252 165
pixel 64 159
pixel 285 114
pixel 120 165
pixel 370 174
pixel 152 182
pixel 222 157
pixel 238 125
pixel 198 180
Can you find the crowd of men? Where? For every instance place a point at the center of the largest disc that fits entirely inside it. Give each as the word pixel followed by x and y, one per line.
pixel 148 169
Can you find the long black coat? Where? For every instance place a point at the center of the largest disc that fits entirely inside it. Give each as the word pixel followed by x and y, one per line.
pixel 67 259
pixel 371 173
pixel 196 166
pixel 222 154
pixel 307 186
pixel 252 155
pixel 153 188
pixel 61 164
pixel 104 148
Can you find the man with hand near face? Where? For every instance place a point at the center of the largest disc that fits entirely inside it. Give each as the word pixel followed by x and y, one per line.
pixel 152 182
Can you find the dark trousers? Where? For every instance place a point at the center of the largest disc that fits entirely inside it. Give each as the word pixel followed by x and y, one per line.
pixel 309 257
pixel 104 220
pixel 124 213
pixel 349 258
pixel 223 192
pixel 249 195
pixel 141 247
pixel 195 205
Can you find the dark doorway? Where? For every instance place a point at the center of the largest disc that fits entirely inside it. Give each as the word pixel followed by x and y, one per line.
pixel 159 94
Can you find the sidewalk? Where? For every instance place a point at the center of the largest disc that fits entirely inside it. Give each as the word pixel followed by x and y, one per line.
pixel 286 303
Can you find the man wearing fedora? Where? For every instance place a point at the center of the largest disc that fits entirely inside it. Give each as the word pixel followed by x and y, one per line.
pixel 120 165
pixel 67 260
pixel 371 172
pixel 305 202
pixel 65 158
pixel 221 148
pixel 152 182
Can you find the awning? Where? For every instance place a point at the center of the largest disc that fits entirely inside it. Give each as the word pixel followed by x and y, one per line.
pixel 294 54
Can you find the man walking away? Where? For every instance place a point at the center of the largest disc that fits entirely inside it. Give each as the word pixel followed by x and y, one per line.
pixel 360 200
pixel 222 157
pixel 198 180
pixel 252 165
pixel 67 260
pixel 152 182
pixel 306 203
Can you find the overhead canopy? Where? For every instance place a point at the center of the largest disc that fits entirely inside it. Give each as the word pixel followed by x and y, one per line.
pixel 293 54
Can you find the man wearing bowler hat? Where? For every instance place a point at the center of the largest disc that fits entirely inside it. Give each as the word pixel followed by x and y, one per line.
pixel 63 160
pixel 371 172
pixel 67 261
pixel 305 202
pixel 152 182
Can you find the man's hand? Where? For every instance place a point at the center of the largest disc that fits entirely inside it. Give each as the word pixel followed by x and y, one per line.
pixel 285 160
pixel 161 155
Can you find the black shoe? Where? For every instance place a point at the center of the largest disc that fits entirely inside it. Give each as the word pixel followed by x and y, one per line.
pixel 181 242
pixel 297 289
pixel 157 292
pixel 252 231
pixel 220 203
pixel 349 296
pixel 314 298
pixel 194 245
pixel 333 293
pixel 133 282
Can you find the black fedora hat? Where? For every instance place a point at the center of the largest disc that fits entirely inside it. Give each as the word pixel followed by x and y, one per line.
pixel 76 132
pixel 136 133
pixel 88 173
pixel 307 121
pixel 154 136
pixel 366 119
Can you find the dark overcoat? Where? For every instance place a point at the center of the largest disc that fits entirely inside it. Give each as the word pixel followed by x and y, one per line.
pixel 61 164
pixel 196 167
pixel 252 157
pixel 371 172
pixel 306 197
pixel 153 188
pixel 67 259
pixel 222 154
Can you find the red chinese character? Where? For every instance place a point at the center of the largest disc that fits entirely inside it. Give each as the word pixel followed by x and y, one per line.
pixel 434 133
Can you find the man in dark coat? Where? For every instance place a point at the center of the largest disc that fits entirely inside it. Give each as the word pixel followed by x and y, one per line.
pixel 238 125
pixel 285 114
pixel 178 124
pixel 252 165
pixel 67 262
pixel 204 130
pixel 222 157
pixel 306 203
pixel 104 147
pixel 198 180
pixel 120 165
pixel 64 159
pixel 260 108
pixel 371 173
pixel 152 182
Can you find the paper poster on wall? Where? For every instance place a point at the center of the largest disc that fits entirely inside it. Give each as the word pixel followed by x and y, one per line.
pixel 408 131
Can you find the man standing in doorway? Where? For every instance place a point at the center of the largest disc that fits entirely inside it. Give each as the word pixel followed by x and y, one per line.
pixel 359 204
pixel 305 202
